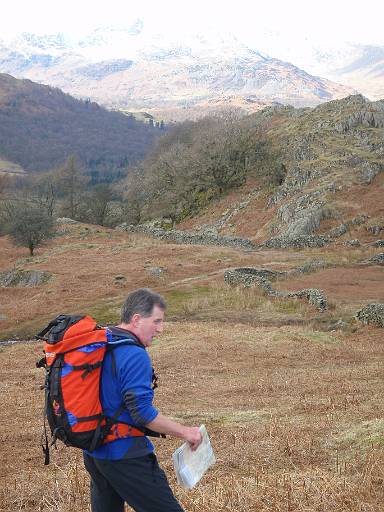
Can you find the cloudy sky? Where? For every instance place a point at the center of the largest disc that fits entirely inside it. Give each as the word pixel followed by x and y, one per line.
pixel 323 21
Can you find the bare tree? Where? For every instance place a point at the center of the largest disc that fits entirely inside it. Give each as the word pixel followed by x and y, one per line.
pixel 29 226
pixel 72 185
pixel 98 202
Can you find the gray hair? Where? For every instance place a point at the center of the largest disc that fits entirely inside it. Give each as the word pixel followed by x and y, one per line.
pixel 142 302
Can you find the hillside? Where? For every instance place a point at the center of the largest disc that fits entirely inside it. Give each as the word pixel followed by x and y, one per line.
pixel 328 160
pixel 41 126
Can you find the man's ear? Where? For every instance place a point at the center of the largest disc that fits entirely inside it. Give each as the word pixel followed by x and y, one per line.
pixel 135 320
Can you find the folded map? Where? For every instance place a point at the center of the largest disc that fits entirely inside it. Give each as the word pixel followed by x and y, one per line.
pixel 190 465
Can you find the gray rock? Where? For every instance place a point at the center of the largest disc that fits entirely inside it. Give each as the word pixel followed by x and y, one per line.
pixel 369 171
pixel 120 279
pixel 295 180
pixel 338 231
pixel 23 278
pixel 338 325
pixel 156 271
pixel 378 243
pixel 346 226
pixel 377 259
pixel 353 243
pixel 372 314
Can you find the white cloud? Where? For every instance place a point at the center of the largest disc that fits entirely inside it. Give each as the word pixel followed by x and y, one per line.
pixel 327 20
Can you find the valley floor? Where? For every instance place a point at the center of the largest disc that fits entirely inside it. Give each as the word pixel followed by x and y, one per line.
pixel 294 408
pixel 295 419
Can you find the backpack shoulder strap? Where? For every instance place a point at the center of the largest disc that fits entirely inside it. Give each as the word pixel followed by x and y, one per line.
pixel 111 345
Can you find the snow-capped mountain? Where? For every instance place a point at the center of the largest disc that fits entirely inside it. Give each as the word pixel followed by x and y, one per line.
pixel 359 65
pixel 175 75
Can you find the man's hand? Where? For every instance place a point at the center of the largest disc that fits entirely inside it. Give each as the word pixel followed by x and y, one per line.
pixel 164 425
pixel 193 437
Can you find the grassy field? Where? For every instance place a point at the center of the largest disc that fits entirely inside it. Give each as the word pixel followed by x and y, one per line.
pixel 7 167
pixel 295 418
pixel 294 409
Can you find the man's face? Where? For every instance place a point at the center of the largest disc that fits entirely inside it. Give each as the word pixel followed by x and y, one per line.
pixel 149 327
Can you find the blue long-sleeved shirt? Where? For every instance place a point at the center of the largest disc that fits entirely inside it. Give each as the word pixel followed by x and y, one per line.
pixel 128 381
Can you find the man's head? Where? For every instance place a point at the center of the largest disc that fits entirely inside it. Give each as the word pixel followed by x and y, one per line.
pixel 143 314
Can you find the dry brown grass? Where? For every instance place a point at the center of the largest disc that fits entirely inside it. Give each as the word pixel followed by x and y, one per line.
pixel 295 414
pixel 294 417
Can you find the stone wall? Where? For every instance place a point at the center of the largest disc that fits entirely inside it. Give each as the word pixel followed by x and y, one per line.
pixel 372 314
pixel 248 277
pixel 188 237
pixel 297 242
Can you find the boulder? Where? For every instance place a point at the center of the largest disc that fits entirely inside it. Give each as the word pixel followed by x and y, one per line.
pixel 156 271
pixel 120 279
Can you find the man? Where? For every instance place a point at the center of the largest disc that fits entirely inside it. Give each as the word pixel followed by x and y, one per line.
pixel 126 469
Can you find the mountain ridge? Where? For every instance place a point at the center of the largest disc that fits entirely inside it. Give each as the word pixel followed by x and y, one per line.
pixel 173 77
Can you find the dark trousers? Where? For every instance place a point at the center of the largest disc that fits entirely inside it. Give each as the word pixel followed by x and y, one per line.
pixel 140 482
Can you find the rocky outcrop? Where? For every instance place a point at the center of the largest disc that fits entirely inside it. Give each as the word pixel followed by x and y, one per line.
pixel 372 314
pixel 369 171
pixel 23 278
pixel 378 243
pixel 191 238
pixel 343 228
pixel 365 118
pixel 295 180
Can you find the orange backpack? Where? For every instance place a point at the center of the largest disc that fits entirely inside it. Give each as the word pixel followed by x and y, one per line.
pixel 74 348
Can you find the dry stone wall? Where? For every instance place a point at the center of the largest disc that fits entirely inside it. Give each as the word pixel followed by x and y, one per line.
pixel 248 277
pixel 192 238
pixel 372 314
